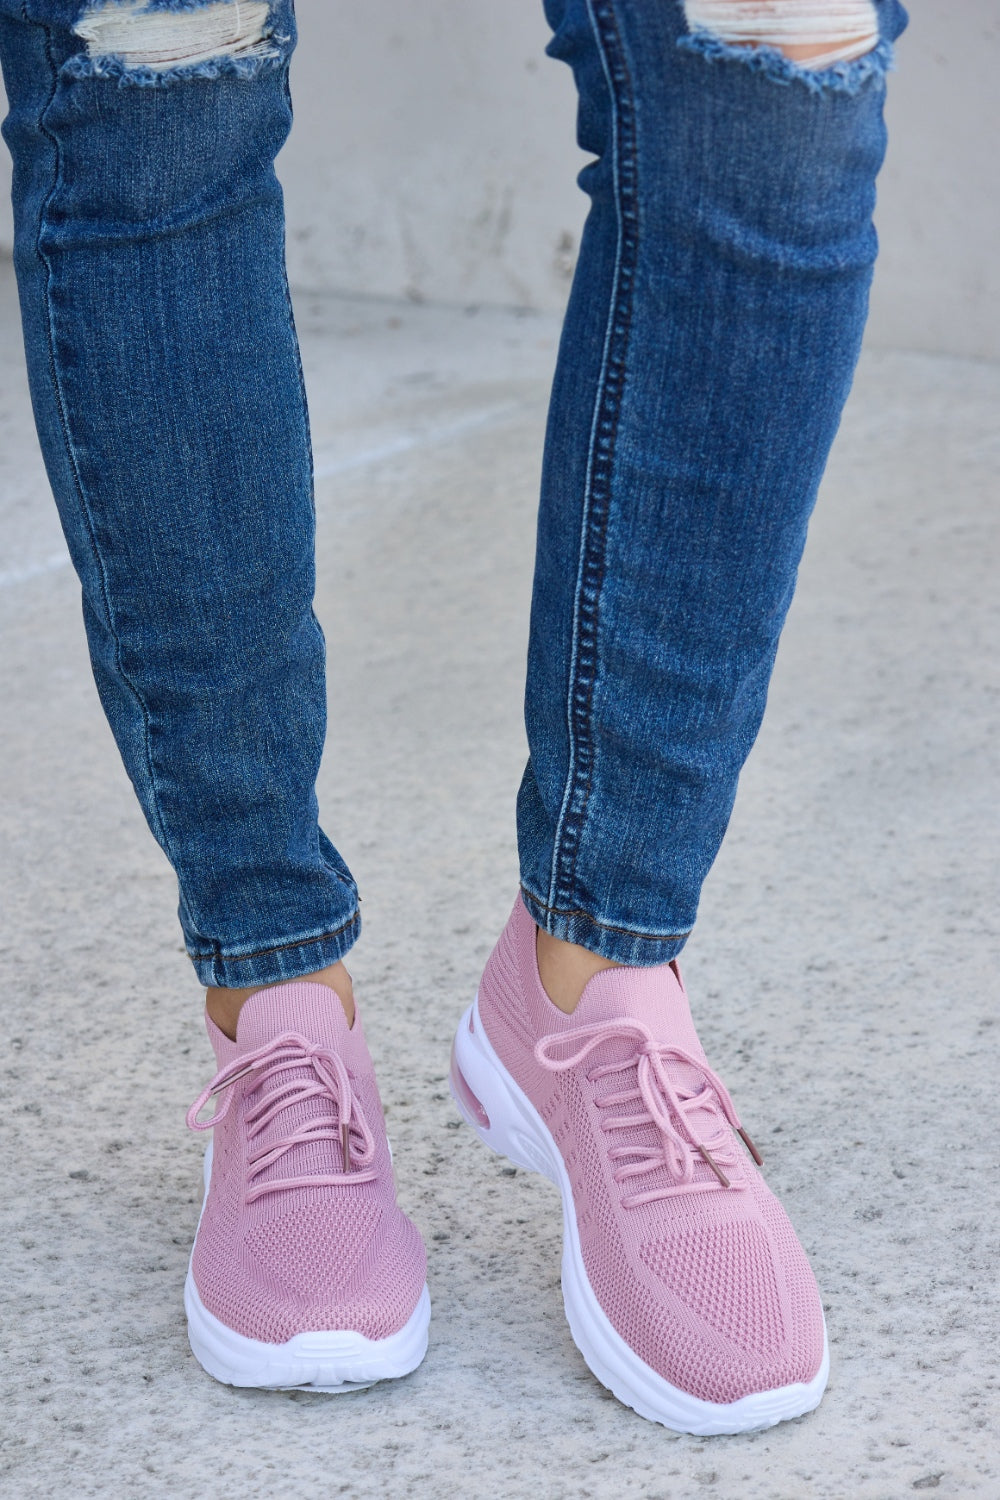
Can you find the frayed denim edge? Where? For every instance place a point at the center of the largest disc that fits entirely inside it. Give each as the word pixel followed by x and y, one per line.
pixel 150 5
pixel 111 65
pixel 841 78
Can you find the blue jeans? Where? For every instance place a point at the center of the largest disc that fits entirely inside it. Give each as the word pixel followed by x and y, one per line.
pixel 712 334
pixel 709 345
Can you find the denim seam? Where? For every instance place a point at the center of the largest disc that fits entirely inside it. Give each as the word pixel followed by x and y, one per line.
pixel 604 430
pixel 306 430
pixel 304 942
pixel 71 452
pixel 645 937
pixel 306 433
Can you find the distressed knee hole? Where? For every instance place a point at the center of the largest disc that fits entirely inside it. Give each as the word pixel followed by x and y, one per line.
pixel 159 40
pixel 815 34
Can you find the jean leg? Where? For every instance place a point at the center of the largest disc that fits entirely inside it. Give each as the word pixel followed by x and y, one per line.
pixel 711 337
pixel 167 390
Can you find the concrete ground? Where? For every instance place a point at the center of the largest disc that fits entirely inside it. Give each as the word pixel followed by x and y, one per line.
pixel 842 972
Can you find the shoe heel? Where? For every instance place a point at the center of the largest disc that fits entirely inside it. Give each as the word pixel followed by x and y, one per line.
pixel 489 1100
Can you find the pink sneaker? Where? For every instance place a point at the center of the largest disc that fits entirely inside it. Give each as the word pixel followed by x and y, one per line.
pixel 304 1271
pixel 685 1287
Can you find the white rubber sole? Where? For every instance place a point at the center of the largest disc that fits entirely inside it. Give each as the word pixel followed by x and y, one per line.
pixel 504 1118
pixel 334 1361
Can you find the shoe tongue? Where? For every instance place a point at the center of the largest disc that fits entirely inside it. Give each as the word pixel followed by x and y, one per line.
pixel 312 1010
pixel 654 996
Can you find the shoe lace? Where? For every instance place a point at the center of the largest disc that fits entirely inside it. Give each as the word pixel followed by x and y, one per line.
pixel 326 1078
pixel 667 1104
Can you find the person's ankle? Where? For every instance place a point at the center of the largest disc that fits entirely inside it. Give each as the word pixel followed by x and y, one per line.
pixel 565 969
pixel 224 1005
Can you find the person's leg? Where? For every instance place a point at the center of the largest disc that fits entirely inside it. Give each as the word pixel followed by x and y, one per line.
pixel 167 389
pixel 709 345
pixel 816 35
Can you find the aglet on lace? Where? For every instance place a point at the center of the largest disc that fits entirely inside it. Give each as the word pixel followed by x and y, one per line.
pixel 748 1143
pixel 707 1156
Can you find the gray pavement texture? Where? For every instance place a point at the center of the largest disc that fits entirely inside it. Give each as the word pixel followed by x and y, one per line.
pixel 842 973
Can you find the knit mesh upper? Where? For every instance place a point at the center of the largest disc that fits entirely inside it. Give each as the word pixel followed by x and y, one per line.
pixel 304 1257
pixel 708 1285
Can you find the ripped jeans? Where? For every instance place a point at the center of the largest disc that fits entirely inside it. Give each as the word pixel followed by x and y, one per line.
pixel 709 344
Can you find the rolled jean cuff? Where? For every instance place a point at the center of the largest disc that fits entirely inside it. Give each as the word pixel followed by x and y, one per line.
pixel 624 945
pixel 279 962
